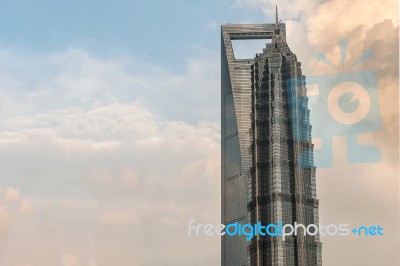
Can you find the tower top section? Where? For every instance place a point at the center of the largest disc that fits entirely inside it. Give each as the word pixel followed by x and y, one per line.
pixel 277 38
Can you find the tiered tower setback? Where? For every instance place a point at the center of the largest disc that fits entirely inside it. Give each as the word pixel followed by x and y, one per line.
pixel 267 172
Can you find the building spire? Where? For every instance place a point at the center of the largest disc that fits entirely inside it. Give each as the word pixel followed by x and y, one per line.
pixel 276 22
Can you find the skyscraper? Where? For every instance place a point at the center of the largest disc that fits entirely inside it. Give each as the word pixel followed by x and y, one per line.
pixel 267 165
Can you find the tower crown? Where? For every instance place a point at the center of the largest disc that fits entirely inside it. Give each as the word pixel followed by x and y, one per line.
pixel 277 37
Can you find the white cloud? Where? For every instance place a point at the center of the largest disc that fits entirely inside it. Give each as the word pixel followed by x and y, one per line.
pixel 70 260
pixel 75 78
pixel 351 193
pixel 287 10
pixel 108 183
pixel 117 217
pixel 25 205
pixel 147 186
pixel 5 220
pixel 112 161
pixel 10 195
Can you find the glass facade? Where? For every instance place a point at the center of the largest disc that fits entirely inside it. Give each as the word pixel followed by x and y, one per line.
pixel 262 177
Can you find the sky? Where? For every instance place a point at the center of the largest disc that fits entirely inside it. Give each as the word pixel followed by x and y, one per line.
pixel 110 127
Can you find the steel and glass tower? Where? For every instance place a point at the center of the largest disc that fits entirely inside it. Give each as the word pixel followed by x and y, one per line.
pixel 267 164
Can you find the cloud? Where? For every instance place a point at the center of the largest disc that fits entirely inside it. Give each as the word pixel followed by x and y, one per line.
pixel 25 205
pixel 106 183
pixel 339 16
pixel 286 9
pixel 118 217
pixel 8 212
pixel 115 155
pixel 70 260
pixel 351 193
pixel 5 220
pixel 10 195
pixel 75 78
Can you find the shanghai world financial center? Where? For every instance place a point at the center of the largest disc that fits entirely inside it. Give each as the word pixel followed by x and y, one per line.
pixel 267 168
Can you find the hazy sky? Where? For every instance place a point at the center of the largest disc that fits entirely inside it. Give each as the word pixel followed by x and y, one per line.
pixel 109 128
